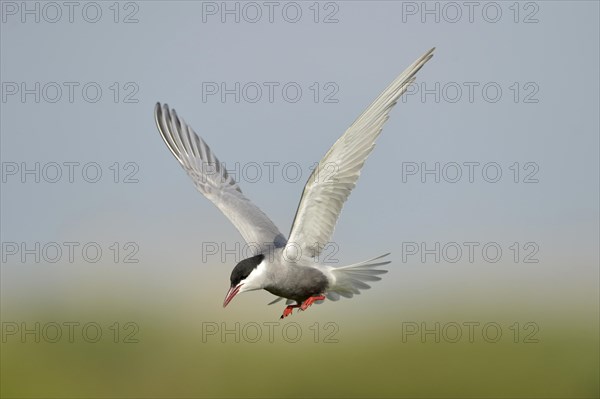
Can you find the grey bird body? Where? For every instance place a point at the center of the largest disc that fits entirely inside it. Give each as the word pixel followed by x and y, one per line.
pixel 287 267
pixel 297 281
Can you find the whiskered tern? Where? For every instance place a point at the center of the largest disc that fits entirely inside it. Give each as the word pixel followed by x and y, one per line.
pixel 284 267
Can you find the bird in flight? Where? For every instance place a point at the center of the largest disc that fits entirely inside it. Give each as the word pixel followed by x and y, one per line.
pixel 288 267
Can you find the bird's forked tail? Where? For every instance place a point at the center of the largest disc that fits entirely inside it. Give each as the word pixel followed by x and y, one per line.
pixel 349 280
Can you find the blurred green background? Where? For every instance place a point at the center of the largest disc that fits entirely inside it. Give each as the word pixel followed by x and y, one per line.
pixel 365 347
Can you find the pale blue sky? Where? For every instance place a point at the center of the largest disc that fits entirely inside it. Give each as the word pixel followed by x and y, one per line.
pixel 171 52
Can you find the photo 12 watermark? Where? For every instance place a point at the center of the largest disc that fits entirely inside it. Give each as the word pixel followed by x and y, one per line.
pixel 471 12
pixel 69 172
pixel 70 12
pixel 268 172
pixel 232 253
pixel 469 252
pixel 52 332
pixel 289 92
pixel 454 172
pixel 69 92
pixel 453 332
pixel 69 252
pixel 270 332
pixel 270 12
pixel 488 92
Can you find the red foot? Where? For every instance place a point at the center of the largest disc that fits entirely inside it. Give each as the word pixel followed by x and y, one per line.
pixel 310 301
pixel 288 310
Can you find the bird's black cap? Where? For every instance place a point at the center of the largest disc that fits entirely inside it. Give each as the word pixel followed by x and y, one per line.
pixel 244 268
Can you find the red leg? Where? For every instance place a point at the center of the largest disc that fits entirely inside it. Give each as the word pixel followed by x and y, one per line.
pixel 311 300
pixel 288 310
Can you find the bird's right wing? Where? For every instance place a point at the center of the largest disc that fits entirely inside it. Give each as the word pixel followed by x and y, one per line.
pixel 211 178
pixel 334 178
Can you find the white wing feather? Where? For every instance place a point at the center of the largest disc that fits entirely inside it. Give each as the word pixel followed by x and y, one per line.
pixel 334 178
pixel 213 181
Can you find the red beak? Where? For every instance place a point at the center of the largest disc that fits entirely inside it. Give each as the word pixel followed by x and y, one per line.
pixel 231 293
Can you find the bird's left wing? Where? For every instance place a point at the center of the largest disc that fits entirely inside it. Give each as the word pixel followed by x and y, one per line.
pixel 211 178
pixel 334 178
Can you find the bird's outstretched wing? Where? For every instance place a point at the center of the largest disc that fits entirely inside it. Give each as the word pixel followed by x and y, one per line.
pixel 211 178
pixel 333 179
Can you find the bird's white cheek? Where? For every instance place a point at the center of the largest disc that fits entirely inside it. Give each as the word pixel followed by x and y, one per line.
pixel 249 286
pixel 244 287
